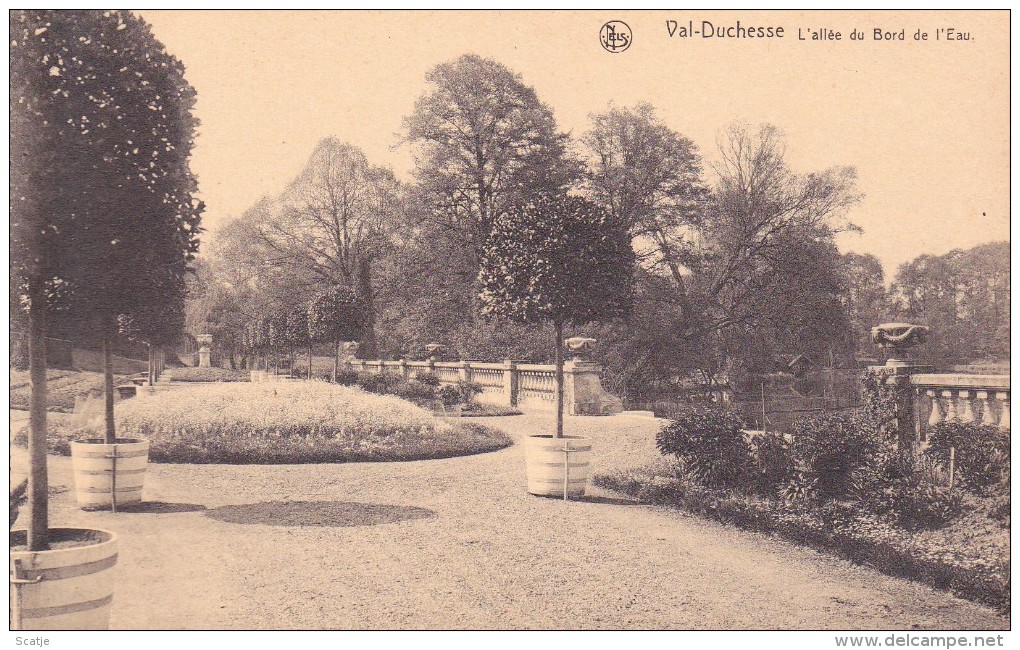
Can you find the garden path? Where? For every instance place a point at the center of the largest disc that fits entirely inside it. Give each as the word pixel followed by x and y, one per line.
pixel 457 543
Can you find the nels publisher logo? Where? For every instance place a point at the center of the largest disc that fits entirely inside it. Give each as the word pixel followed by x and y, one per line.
pixel 615 36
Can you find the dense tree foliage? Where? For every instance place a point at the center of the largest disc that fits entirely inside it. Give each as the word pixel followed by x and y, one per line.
pixel 104 220
pixel 737 270
pixel 336 316
pixel 558 260
pixel 964 297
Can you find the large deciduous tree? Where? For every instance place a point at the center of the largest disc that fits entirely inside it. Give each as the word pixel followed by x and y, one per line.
pixel 864 296
pixel 557 260
pixel 483 143
pixel 964 297
pixel 649 176
pixel 330 226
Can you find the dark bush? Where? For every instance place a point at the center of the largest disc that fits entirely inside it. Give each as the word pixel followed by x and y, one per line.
pixel 773 463
pixel 449 394
pixel 982 454
pixel 428 379
pixel 839 452
pixel 1000 510
pixel 346 377
pixel 709 443
pixel 911 495
pixel 413 391
pixel 468 390
pixel 380 383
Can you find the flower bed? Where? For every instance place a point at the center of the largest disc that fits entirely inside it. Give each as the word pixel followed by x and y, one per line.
pixel 208 374
pixel 306 422
pixel 979 573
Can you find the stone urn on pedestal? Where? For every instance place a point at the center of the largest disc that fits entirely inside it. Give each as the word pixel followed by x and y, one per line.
pixel 898 338
pixel 434 351
pixel 204 352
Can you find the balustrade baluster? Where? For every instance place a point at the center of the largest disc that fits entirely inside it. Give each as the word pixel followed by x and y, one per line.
pixel 936 412
pixel 966 411
pixel 986 416
pixel 1004 415
pixel 950 405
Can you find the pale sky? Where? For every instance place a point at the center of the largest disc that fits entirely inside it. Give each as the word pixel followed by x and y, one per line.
pixel 926 123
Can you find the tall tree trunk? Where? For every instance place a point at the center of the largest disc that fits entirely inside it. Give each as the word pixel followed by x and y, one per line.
pixel 336 358
pixel 559 379
pixel 367 348
pixel 38 497
pixel 152 365
pixel 309 360
pixel 111 432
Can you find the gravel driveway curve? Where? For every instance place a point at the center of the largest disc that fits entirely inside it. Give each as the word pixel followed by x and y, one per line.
pixel 457 543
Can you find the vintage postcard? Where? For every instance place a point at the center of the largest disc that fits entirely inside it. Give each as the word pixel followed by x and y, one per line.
pixel 511 320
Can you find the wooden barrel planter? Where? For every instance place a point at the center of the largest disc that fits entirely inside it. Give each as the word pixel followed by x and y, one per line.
pixel 109 476
pixel 69 587
pixel 552 462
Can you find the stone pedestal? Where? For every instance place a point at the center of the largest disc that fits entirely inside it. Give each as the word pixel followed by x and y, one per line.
pixel 583 393
pixel 203 357
pixel 897 374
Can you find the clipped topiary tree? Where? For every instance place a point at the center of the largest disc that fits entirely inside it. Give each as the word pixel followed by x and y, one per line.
pixel 101 191
pixel 334 317
pixel 557 260
pixel 298 335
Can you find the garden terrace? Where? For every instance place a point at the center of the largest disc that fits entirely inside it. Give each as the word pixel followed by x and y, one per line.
pixel 977 399
pixel 525 385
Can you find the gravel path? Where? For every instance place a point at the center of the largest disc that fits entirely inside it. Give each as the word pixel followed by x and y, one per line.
pixel 457 543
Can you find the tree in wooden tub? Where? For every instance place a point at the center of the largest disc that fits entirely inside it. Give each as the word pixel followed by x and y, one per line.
pixel 101 132
pixel 557 259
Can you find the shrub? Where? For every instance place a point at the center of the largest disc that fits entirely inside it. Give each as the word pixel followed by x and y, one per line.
pixel 982 453
pixel 709 443
pixel 311 422
pixel 879 405
pixel 19 496
pixel 428 379
pixel 840 526
pixel 468 390
pixel 449 394
pixel 412 391
pixel 839 452
pixel 908 491
pixel 208 374
pixel 379 383
pixel 345 377
pixel 773 463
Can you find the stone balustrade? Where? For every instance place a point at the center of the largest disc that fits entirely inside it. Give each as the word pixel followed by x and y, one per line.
pixel 523 385
pixel 979 399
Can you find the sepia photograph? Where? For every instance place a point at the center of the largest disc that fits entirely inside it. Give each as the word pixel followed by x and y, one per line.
pixel 499 320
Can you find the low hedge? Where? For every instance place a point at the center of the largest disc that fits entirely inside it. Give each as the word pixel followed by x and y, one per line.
pixel 837 526
pixel 209 374
pixel 306 422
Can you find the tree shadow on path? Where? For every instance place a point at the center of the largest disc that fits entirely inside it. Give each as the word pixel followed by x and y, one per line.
pixel 161 508
pixel 340 514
